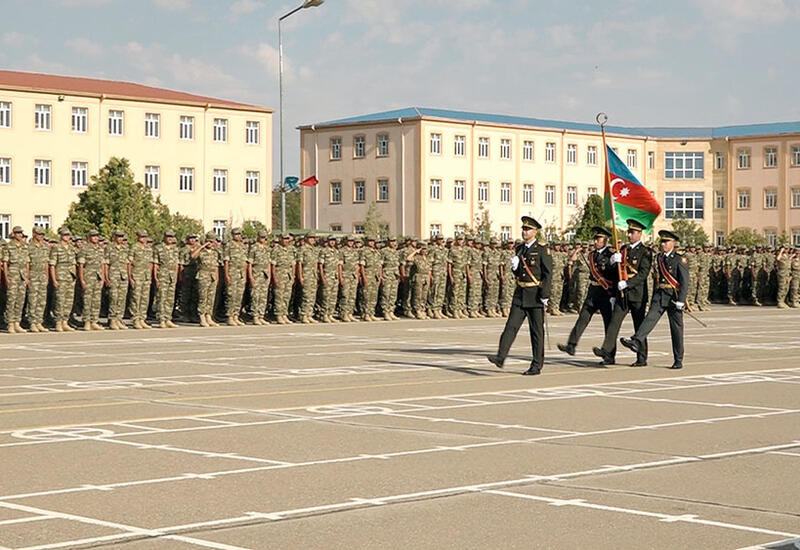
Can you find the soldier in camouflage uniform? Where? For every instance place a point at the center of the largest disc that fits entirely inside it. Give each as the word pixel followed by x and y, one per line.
pixel 703 277
pixel 390 256
pixel 491 274
pixel 508 282
pixel 557 276
pixel 690 254
pixel 283 272
pixel 754 264
pixel 166 265
pixel 350 262
pixel 39 253
pixel 140 269
pixel 330 276
pixel 307 256
pixel 783 266
pixel 421 276
pixel 234 257
pixel 117 279
pixel 579 274
pixel 475 282
pixel 405 289
pixel 92 277
pixel 732 274
pixel 208 258
pixel 457 266
pixel 371 274
pixel 437 255
pixel 259 259
pixel 188 279
pixel 16 263
pixel 794 284
pixel 62 276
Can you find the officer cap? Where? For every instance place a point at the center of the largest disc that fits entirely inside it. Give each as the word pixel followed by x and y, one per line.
pixel 211 236
pixel 530 223
pixel 169 233
pixel 92 233
pixel 64 231
pixel 17 229
pixel 668 235
pixel 598 231
pixel 142 233
pixel 236 231
pixel 262 234
pixel 634 224
pixel 38 230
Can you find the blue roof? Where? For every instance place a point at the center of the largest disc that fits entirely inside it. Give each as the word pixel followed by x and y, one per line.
pixel 701 132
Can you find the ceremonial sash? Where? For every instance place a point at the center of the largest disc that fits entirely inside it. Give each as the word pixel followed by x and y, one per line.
pixel 662 268
pixel 596 273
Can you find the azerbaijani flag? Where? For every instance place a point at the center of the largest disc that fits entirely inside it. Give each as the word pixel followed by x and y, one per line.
pixel 630 198
pixel 310 181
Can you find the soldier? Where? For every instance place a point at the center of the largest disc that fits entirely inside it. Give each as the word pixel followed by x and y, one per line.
pixel 669 295
pixel 405 289
pixel 371 276
pixel 330 277
pixel 559 263
pixel 508 282
pixel 475 281
pixel 794 284
pixel 578 270
pixel 92 275
pixel 704 277
pixel 188 279
pixel 692 264
pixel 783 265
pixel 307 276
pixel 117 260
pixel 39 254
pixel 391 279
pixel 259 259
pixel 140 268
pixel 420 279
pixel 753 264
pixel 207 278
pixel 457 269
pixel 234 258
pixel 62 277
pixel 16 263
pixel 283 270
pixel 166 265
pixel 491 275
pixel 437 255
pixel 349 259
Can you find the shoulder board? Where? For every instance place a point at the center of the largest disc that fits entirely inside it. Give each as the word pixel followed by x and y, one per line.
pixel 683 260
pixel 680 252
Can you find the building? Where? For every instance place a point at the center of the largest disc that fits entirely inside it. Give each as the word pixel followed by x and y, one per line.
pixel 430 171
pixel 206 158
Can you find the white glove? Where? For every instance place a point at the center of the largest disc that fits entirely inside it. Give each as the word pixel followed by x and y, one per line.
pixel 544 301
pixel 613 301
pixel 622 285
pixel 616 258
pixel 679 305
pixel 514 262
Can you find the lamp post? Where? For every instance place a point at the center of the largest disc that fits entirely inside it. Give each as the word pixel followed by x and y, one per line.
pixel 306 4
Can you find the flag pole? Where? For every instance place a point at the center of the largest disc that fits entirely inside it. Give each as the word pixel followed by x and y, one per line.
pixel 602 119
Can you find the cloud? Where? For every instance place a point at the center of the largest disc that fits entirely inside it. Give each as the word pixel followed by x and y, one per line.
pixel 14 38
pixel 172 5
pixel 749 12
pixel 241 7
pixel 85 47
pixel 84 3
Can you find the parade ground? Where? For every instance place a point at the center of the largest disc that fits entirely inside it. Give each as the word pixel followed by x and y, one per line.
pixel 400 435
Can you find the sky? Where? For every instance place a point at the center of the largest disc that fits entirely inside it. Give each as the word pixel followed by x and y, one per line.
pixel 657 63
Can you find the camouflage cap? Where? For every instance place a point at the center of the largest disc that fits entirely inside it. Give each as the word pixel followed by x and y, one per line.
pixel 331 237
pixel 64 231
pixel 262 234
pixel 193 236
pixel 77 238
pixel 169 233
pixel 92 233
pixel 17 229
pixel 236 231
pixel 142 233
pixel 118 233
pixel 38 230
pixel 211 236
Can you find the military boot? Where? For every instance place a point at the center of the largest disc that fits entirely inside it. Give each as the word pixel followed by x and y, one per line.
pixel 87 326
pixel 59 326
pixel 97 326
pixel 204 320
pixel 67 327
pixel 34 328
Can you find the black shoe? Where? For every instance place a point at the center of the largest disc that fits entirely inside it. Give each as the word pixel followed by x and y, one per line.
pixel 630 343
pixel 495 360
pixel 532 371
pixel 639 364
pixel 607 361
pixel 566 348
pixel 676 366
pixel 606 358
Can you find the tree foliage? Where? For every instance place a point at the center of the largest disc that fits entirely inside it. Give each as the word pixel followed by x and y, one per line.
pixel 690 232
pixel 374 224
pixel 294 219
pixel 250 228
pixel 588 216
pixel 744 236
pixel 481 228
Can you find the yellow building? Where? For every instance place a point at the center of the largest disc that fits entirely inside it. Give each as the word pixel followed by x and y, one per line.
pixel 431 171
pixel 206 158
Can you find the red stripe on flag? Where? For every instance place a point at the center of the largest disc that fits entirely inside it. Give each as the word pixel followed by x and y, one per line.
pixel 310 181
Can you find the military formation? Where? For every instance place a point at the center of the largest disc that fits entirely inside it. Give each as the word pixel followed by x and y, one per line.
pixel 75 281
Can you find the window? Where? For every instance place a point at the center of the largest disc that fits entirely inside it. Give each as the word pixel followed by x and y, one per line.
pixel 505 193
pixel 5 114
pixel 186 130
pixel 252 132
pixel 483 191
pixel 115 123
pixel 186 179
pixel 459 146
pixel 436 144
pixel 743 157
pixel 719 161
pixel 719 200
pixel 252 182
pixel 436 190
pixel 651 160
pixel 795 237
pixel 527 150
pixel 219 183
pixel 505 148
pixel 336 192
pixel 591 155
pixel 527 193
pixel 572 196
pixel 382 149
pixel 41 172
pixel 359 191
pixel 358 228
pixel 219 228
pixel 359 147
pixel 152 177
pixel 771 236
pixel 591 191
pixel 41 117
pixel 336 148
pixel 459 190
pixel 80 174
pixel 80 119
pixel 42 220
pixel 684 204
pixel 770 198
pixel 383 190
pixel 460 228
pixel 795 154
pixel 5 171
pixel 435 229
pixel 719 238
pixel 550 195
pixel 631 158
pixel 795 196
pixel 220 130
pixel 743 199
pixel 483 148
pixel 505 232
pixel 572 153
pixel 550 152
pixel 152 125
pixel 683 165
pixel 337 227
pixel 5 225
pixel 770 157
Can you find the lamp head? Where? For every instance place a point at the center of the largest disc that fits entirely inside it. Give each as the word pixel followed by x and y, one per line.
pixel 312 3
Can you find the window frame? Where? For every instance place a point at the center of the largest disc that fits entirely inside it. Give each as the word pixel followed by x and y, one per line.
pixel 220 130
pixel 359 146
pixel 359 185
pixel 335 192
pixel 572 153
pixel 435 190
pixel 186 179
pixel 794 192
pixel 674 158
pixel 6 109
pixel 505 148
pixel 632 158
pixel 219 181
pixel 252 180
pixel 505 192
pixel 770 157
pixel 460 142
pixel 152 125
pixel 484 147
pixel 379 190
pixel 40 117
pixel 252 132
pixel 743 154
pixel 152 177
pixel 382 145
pixel 42 222
pixel 335 148
pixel 483 191
pixel 572 195
pixel 770 201
pixel 5 170
pixel 591 155
pixel 682 211
pixel 82 170
pixel 528 150
pixel 48 170
pixel 550 195
pixel 743 193
pixel 459 188
pixel 116 122
pixel 186 128
pixel 435 141
pixel 550 152
pixel 81 116
pixel 527 193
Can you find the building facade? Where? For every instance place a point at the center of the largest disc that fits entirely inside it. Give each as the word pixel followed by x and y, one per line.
pixel 206 158
pixel 432 171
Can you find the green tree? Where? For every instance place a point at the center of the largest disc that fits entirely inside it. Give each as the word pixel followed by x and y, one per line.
pixel 588 216
pixel 690 232
pixel 250 228
pixel 744 236
pixel 481 225
pixel 184 225
pixel 374 224
pixel 294 220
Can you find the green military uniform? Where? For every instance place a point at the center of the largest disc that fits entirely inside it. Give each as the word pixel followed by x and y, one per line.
pixel 282 260
pixel 420 280
pixel 188 278
pixel 235 257
pixel 371 265
pixel 166 258
pixel 329 261
pixel 580 281
pixel 458 259
pixel 62 263
pixel 92 259
pixel 141 262
pixel 491 262
pixel 307 257
pixel 208 259
pixel 691 265
pixel 39 254
pixel 16 262
pixel 349 258
pixel 474 290
pixel 704 272
pixel 559 263
pixel 117 260
pixel 391 258
pixel 509 283
pixel 437 255
pixel 259 257
pixel 794 284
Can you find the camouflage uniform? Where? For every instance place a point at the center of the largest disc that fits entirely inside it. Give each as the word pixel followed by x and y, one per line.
pixel 349 258
pixel 732 275
pixel 794 285
pixel 704 272
pixel 370 261
pixel 166 260
pixel 207 279
pixel 92 259
pixel 329 261
pixel 391 258
pixel 457 258
pixel 235 257
pixel 509 283
pixel 259 257
pixel 557 278
pixel 491 262
pixel 141 260
pixel 117 261
pixel 420 278
pixel 62 260
pixel 580 277
pixel 307 256
pixel 283 264
pixel 17 259
pixel 437 255
pixel 188 290
pixel 39 254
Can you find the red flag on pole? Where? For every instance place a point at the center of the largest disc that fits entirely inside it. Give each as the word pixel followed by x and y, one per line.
pixel 310 181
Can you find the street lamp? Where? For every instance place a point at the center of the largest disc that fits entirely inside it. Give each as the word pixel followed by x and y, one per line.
pixel 306 4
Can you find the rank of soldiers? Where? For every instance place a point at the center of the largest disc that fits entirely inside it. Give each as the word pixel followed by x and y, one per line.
pixel 77 280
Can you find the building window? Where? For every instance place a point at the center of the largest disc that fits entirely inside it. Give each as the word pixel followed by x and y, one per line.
pixel 116 123
pixel 743 157
pixel 459 228
pixel 383 145
pixel 770 157
pixel 550 152
pixel 651 160
pixel 795 197
pixel 336 227
pixel 252 182
pixel 459 190
pixel 220 130
pixel 358 228
pixel 220 181
pixel 435 229
pixel 483 148
pixel 187 128
pixel 41 117
pixel 795 155
pixel 771 236
pixel 572 153
pixel 631 158
pixel 719 200
pixel 152 125
pixel 5 114
pixel 683 165
pixel 550 195
pixel 770 198
pixel 5 226
pixel 591 191
pixel 252 132
pixel 359 191
pixel 336 148
pixel 572 196
pixel 336 192
pixel 591 155
pixel 505 232
pixel 383 190
pixel 505 148
pixel 527 150
pixel 152 177
pixel 795 237
pixel 684 204
pixel 41 172
pixel 459 146
pixel 218 226
pixel 527 193
pixel 743 199
pixel 719 161
pixel 483 191
pixel 5 171
pixel 80 119
pixel 436 144
pixel 42 220
pixel 505 193
pixel 80 174
pixel 719 238
pixel 436 190
pixel 359 147
pixel 186 179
